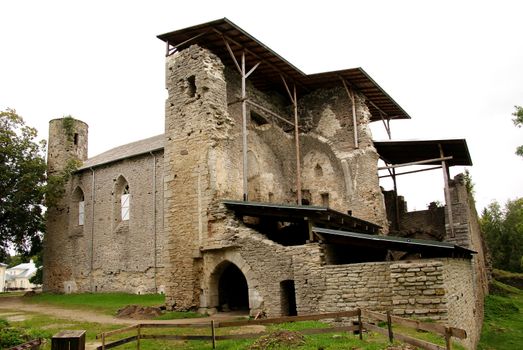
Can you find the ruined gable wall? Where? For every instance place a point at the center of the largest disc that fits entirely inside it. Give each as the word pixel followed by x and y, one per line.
pixel 347 175
pixel 328 116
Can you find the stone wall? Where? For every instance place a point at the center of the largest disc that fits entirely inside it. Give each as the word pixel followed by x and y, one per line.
pixel 105 253
pixel 264 264
pixel 196 121
pixel 418 289
pixel 462 299
pixel 439 289
pixel 63 147
pixel 467 233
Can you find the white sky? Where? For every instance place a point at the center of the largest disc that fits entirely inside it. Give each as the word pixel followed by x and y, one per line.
pixel 455 66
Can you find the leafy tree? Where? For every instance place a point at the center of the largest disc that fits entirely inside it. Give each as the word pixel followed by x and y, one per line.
pixel 518 121
pixel 22 186
pixel 503 229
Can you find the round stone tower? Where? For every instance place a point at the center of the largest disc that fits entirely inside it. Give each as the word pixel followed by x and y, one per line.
pixel 67 141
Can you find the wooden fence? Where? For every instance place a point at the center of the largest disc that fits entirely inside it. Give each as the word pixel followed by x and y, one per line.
pixel 32 345
pixel 358 327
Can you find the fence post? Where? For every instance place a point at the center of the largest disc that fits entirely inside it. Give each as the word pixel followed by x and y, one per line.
pixel 360 325
pixel 138 334
pixel 389 326
pixel 213 335
pixel 103 341
pixel 448 335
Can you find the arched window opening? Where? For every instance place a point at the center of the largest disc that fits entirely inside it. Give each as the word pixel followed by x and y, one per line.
pixel 318 171
pixel 78 207
pixel 125 203
pixel 122 202
pixel 81 211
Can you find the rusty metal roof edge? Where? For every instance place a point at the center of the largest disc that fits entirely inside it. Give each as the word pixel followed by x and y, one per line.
pixel 165 36
pixel 394 239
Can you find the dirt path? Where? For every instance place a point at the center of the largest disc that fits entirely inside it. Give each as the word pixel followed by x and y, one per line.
pixel 18 304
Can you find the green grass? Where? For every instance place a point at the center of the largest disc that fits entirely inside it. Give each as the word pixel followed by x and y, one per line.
pixel 176 315
pixel 107 303
pixel 42 326
pixel 503 324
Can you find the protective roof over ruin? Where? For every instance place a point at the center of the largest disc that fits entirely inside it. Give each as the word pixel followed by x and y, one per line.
pixel 401 152
pixel 267 77
pixel 323 216
pixel 424 247
pixel 132 149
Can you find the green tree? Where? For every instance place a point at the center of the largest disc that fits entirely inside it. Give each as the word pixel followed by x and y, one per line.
pixel 518 121
pixel 22 186
pixel 503 229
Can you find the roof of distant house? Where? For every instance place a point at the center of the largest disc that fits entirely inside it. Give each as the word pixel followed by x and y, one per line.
pixel 25 270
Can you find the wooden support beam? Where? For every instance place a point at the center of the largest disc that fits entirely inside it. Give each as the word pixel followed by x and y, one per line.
pixel 297 141
pixel 268 111
pixel 244 130
pixel 411 172
pixel 354 119
pixel 420 162
pixel 447 190
pixel 172 48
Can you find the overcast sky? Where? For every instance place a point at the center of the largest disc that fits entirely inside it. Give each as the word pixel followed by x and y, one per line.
pixel 455 66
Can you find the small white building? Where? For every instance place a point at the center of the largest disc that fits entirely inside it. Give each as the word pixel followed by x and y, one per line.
pixel 17 277
pixel 2 277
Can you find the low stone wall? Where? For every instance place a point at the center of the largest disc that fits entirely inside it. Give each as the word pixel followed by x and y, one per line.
pixel 365 285
pixel 461 296
pixel 418 289
pixel 440 289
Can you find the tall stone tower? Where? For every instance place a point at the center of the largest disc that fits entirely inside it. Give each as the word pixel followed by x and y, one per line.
pixel 196 115
pixel 67 142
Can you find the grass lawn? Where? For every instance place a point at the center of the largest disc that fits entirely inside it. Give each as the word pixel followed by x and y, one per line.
pixel 503 325
pixel 107 303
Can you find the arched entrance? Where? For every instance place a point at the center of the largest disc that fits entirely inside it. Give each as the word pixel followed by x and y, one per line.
pixel 233 291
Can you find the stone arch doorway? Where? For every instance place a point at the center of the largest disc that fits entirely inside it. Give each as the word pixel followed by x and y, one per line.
pixel 230 286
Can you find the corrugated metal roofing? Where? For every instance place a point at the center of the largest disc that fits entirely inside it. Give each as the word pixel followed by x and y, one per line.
pixel 406 151
pixel 267 77
pixel 323 216
pixel 133 149
pixel 427 247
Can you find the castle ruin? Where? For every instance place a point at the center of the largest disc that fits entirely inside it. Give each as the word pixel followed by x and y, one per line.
pixel 263 194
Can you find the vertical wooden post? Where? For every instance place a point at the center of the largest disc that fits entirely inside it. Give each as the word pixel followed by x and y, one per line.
pixel 213 334
pixel 396 200
pixel 297 140
pixel 448 335
pixel 447 191
pixel 244 131
pixel 389 326
pixel 103 341
pixel 360 325
pixel 138 335
pixel 350 93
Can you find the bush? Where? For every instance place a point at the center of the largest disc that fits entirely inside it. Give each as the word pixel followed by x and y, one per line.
pixel 11 336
